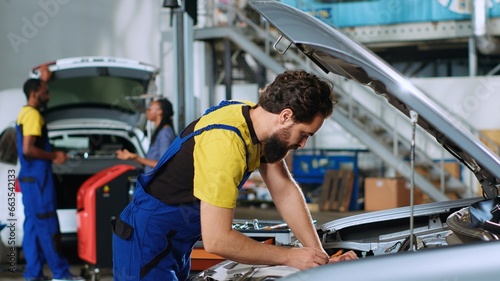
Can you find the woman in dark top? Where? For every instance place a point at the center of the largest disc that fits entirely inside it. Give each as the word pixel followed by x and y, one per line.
pixel 160 112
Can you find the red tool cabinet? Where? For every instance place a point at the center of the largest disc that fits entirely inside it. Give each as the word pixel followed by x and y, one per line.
pixel 101 198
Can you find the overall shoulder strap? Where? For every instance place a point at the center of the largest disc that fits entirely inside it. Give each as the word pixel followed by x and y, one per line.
pixel 221 104
pixel 176 145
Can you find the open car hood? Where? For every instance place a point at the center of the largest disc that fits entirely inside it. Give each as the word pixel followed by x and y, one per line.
pixel 107 85
pixel 333 52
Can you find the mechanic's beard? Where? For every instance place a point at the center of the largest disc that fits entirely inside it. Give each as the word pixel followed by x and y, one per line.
pixel 42 103
pixel 275 149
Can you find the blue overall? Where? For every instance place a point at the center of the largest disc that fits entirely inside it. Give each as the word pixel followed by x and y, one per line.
pixel 153 240
pixel 42 237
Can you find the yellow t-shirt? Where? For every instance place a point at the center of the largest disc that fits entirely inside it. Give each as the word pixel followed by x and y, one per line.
pixel 31 121
pixel 211 165
pixel 220 159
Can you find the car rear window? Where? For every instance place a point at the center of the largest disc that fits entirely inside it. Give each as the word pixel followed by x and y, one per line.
pixel 115 92
pixel 91 145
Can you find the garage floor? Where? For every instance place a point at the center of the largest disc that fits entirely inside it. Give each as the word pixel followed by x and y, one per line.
pixel 240 213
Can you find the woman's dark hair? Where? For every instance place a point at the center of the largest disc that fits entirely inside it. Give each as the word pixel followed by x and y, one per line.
pixel 31 85
pixel 305 94
pixel 166 117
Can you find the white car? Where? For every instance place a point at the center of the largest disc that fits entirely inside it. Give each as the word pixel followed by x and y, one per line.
pixel 97 106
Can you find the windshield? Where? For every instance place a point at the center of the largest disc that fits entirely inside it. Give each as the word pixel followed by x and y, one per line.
pixel 91 145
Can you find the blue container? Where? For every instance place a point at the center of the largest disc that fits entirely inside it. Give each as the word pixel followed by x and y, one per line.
pixel 311 168
pixel 384 12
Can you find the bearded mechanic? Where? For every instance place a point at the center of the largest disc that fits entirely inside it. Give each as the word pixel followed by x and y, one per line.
pixel 192 191
pixel 42 237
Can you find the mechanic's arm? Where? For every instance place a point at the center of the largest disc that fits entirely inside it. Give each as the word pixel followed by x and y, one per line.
pixel 45 73
pixel 31 151
pixel 290 203
pixel 219 238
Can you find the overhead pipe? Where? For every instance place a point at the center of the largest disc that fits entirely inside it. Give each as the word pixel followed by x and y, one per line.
pixel 485 43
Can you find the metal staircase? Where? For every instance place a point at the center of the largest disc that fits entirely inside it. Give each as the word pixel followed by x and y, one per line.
pixel 368 117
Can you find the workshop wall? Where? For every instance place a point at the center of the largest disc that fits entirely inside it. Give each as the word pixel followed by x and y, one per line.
pixel 34 32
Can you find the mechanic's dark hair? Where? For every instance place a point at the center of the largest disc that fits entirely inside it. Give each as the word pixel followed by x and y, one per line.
pixel 166 116
pixel 304 93
pixel 31 85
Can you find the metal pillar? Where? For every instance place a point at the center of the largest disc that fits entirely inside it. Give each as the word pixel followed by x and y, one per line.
pixel 228 69
pixel 472 57
pixel 179 35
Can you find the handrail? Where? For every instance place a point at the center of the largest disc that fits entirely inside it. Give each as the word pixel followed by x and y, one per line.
pixel 249 27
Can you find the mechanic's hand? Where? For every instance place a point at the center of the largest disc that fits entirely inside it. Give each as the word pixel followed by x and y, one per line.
pixel 125 154
pixel 304 258
pixel 45 73
pixel 59 157
pixel 343 257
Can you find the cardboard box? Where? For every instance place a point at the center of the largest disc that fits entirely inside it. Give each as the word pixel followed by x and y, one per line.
pixel 387 193
pixel 453 168
pixel 491 139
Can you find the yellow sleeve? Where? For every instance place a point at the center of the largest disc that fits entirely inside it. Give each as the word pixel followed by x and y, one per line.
pixel 31 121
pixel 220 162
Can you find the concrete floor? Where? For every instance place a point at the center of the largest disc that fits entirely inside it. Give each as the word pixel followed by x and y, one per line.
pixel 249 213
